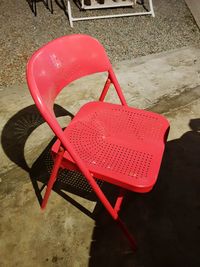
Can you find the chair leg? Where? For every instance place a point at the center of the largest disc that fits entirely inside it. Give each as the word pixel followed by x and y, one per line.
pixel 114 214
pixel 151 8
pixel 69 12
pixel 51 6
pixel 129 237
pixel 120 223
pixel 53 177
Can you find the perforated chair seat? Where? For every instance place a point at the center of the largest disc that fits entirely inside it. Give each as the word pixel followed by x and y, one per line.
pixel 118 144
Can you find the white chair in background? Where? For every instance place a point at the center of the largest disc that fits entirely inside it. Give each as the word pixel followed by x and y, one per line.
pixel 109 4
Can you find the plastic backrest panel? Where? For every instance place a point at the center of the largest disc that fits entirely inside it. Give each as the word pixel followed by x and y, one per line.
pixel 62 61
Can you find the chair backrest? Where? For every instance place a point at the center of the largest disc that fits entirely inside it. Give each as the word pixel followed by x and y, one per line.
pixel 53 67
pixel 60 62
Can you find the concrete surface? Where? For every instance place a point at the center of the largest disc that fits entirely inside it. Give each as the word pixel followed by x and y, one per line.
pixel 165 222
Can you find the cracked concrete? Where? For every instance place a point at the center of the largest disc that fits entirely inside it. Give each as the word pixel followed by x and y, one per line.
pixel 165 222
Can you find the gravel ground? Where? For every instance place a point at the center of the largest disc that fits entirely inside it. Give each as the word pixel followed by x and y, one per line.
pixel 124 38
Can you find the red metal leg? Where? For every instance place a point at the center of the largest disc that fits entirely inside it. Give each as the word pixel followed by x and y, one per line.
pixel 119 200
pixel 114 214
pixel 52 177
pixel 105 89
pixel 127 234
pixel 112 211
pixel 123 227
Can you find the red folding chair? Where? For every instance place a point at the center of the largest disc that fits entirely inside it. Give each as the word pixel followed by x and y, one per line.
pixel 116 143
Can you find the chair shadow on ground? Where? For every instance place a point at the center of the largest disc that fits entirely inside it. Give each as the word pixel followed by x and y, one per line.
pixel 14 137
pixel 165 222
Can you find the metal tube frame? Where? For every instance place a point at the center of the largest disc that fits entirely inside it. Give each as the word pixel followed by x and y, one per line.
pixel 113 211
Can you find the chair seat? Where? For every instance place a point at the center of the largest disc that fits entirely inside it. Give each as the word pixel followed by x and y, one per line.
pixel 118 144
